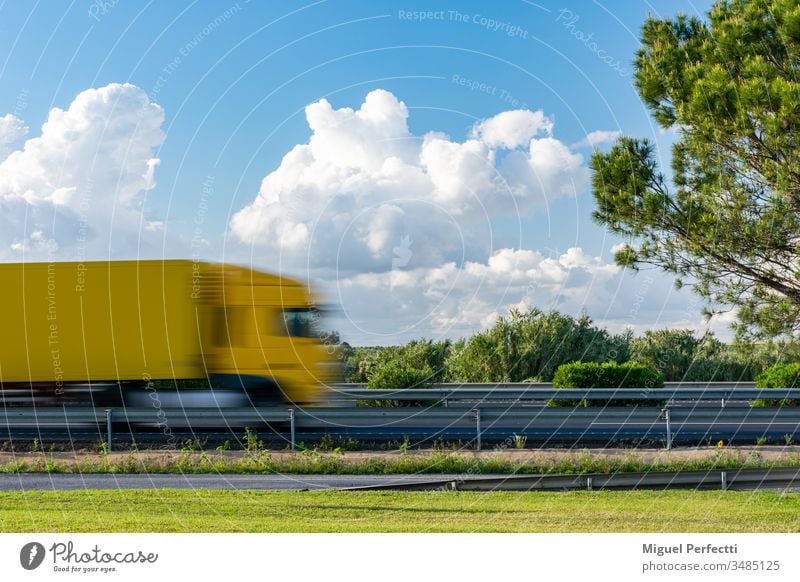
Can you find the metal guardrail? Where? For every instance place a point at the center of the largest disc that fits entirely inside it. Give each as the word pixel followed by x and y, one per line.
pixel 478 424
pixel 444 393
pixel 725 479
pixel 488 385
pixel 487 412
pixel 525 386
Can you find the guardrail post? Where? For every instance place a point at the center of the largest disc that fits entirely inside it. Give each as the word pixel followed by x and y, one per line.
pixel 724 480
pixel 589 483
pixel 291 429
pixel 669 429
pixel 477 413
pixel 109 414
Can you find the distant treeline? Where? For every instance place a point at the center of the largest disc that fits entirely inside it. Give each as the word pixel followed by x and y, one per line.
pixel 530 346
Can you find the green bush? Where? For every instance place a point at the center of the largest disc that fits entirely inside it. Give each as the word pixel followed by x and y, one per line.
pixel 361 363
pixel 606 375
pixel 778 376
pixel 422 354
pixel 396 375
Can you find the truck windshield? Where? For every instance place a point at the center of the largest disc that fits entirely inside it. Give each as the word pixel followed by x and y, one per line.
pixel 301 322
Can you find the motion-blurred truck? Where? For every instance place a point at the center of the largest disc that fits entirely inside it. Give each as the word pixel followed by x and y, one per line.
pixel 101 332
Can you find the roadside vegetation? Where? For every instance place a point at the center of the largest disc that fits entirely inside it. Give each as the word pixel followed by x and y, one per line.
pixel 537 346
pixel 316 462
pixel 779 376
pixel 170 510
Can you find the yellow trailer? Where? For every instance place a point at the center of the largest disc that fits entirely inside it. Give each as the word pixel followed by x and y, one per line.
pixel 67 325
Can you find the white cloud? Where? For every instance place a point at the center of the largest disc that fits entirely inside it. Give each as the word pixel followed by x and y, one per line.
pixel 404 228
pixel 451 300
pixel 512 129
pixel 347 198
pixel 12 129
pixel 78 187
pixel 596 138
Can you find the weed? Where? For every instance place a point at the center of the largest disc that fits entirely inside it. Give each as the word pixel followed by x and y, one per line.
pixel 193 444
pixel 405 445
pixel 788 439
pixel 326 442
pixel 51 466
pixel 251 442
pixel 351 444
pixel 519 441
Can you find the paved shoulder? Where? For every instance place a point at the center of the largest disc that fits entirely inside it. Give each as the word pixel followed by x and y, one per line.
pixel 76 481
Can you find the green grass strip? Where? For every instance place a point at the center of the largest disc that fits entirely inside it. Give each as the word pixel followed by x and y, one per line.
pixel 170 510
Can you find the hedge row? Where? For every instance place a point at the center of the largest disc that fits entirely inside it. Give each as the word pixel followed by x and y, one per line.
pixel 607 375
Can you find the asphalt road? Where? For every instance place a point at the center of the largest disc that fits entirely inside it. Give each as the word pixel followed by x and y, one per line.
pixel 72 482
pixel 785 479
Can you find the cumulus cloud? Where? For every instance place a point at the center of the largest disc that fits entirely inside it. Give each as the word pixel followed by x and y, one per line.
pixel 346 198
pixel 451 300
pixel 78 187
pixel 12 129
pixel 596 138
pixel 512 129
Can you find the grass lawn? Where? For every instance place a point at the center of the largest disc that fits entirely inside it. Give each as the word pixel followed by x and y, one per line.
pixel 168 510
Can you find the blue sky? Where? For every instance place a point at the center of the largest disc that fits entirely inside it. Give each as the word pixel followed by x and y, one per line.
pixel 221 91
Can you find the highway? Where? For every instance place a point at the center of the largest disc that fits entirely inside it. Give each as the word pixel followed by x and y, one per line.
pixel 687 415
pixel 787 478
pixel 540 425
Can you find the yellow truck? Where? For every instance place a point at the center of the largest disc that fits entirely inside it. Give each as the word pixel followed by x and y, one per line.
pixel 98 331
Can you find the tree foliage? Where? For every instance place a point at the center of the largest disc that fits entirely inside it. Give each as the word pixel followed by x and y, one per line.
pixel 364 364
pixel 681 356
pixel 417 364
pixel 531 345
pixel 730 222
